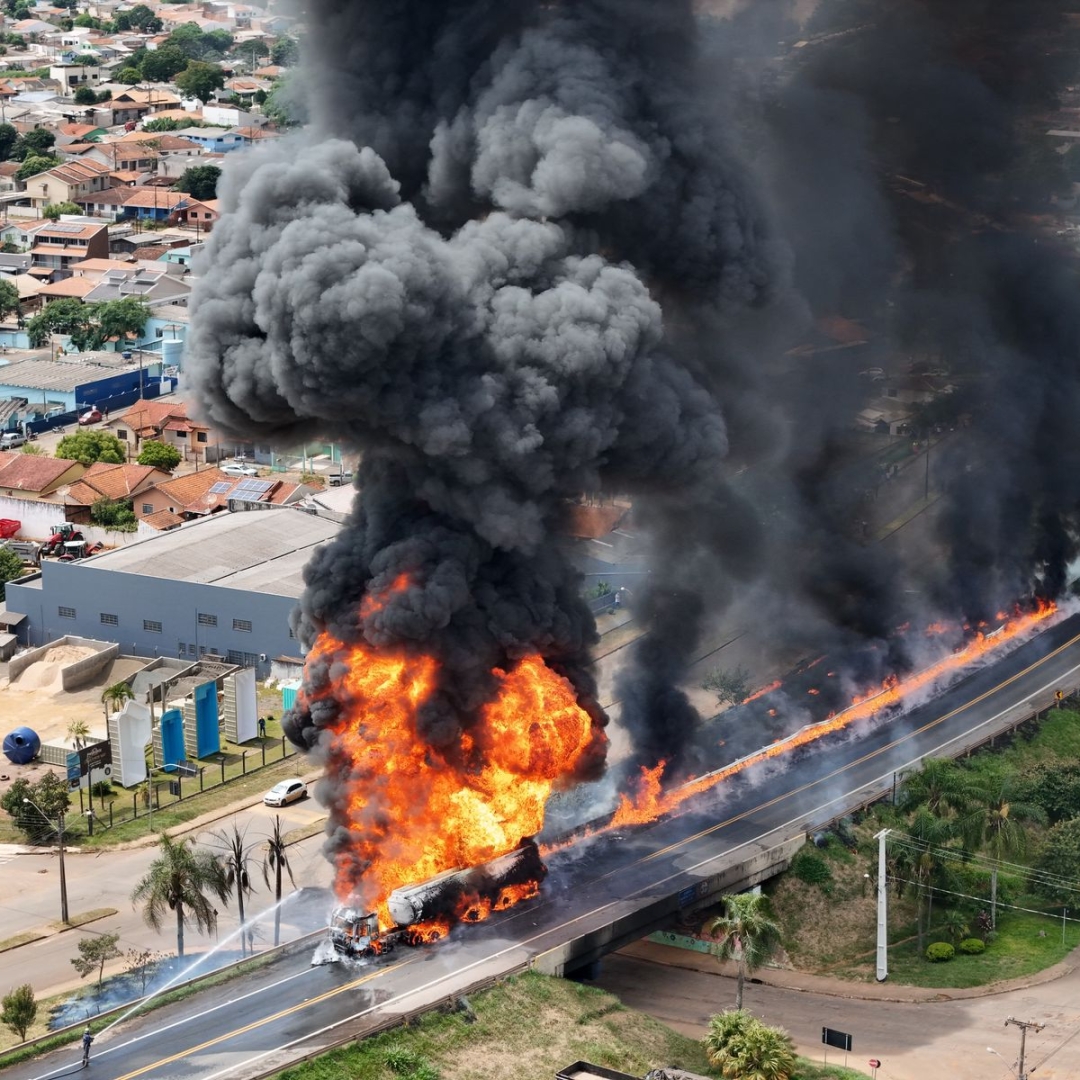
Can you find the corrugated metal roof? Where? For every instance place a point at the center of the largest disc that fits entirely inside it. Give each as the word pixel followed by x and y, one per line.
pixel 262 551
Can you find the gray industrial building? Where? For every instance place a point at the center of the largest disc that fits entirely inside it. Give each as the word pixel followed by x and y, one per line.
pixel 223 586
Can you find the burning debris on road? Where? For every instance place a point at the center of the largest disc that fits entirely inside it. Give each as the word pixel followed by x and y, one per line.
pixel 521 252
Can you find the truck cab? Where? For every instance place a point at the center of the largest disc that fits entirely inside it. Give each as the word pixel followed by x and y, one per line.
pixel 356 933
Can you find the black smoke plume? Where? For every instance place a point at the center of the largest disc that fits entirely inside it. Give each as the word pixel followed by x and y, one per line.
pixel 456 270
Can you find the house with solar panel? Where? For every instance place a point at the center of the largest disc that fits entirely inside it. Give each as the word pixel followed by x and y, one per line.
pixel 59 246
pixel 210 491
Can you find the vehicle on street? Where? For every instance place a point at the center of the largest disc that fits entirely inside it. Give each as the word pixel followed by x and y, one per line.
pixel 12 439
pixel 286 792
pixel 91 416
pixel 237 469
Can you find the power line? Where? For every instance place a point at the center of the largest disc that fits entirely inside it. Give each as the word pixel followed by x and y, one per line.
pixel 983 862
pixel 982 900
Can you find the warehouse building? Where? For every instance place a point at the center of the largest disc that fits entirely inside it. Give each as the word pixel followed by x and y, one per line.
pixel 223 586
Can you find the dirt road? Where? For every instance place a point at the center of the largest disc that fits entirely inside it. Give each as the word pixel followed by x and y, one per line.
pixel 934 1040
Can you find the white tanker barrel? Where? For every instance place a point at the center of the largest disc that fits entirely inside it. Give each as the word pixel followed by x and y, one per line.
pixel 440 896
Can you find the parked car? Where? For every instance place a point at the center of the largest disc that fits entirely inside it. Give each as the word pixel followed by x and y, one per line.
pixel 286 792
pixel 91 416
pixel 236 469
pixel 11 439
pixel 338 478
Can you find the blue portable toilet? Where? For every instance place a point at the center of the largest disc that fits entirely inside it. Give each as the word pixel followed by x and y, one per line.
pixel 22 745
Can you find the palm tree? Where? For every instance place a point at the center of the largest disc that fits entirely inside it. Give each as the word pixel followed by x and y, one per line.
pixel 918 860
pixel 235 861
pixel 115 696
pixel 78 732
pixel 749 935
pixel 955 923
pixel 742 1046
pixel 939 785
pixel 276 860
pixel 178 880
pixel 996 819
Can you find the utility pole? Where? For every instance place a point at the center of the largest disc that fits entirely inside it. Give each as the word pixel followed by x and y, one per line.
pixel 60 822
pixel 993 899
pixel 1023 1025
pixel 882 972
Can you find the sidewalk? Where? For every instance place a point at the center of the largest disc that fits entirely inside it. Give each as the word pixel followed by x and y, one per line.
pixel 785 979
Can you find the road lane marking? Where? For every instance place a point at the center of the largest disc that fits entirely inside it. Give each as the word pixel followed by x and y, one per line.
pixel 109 1048
pixel 265 1020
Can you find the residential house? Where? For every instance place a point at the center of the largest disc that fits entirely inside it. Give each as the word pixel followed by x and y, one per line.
pixel 106 204
pixel 30 28
pixel 155 204
pixel 57 247
pixel 230 116
pixel 201 214
pixel 34 476
pixel 163 420
pixel 67 134
pixel 209 491
pixel 120 483
pixel 153 285
pixel 13 265
pixel 72 76
pixel 213 140
pixel 72 182
pixel 132 104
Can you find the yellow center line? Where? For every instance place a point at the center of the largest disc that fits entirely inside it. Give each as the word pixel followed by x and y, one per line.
pixel 266 1020
pixel 866 757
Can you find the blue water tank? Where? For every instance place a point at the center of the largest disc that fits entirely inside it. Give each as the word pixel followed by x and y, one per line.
pixel 21 745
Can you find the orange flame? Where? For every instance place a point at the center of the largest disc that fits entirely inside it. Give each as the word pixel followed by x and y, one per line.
pixel 414 810
pixel 650 802
pixel 775 685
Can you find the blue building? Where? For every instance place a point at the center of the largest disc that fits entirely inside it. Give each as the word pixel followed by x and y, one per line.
pixel 222 586
pixel 106 380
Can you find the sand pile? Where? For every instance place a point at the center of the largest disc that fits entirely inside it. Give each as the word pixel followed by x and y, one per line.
pixel 48 672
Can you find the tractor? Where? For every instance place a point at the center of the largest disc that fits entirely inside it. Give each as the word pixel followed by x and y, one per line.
pixel 61 534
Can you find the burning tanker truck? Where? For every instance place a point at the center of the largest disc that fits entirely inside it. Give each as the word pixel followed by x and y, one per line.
pixel 424 913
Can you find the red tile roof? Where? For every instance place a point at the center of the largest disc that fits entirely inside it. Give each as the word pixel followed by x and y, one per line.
pixel 163 519
pixel 33 472
pixel 107 481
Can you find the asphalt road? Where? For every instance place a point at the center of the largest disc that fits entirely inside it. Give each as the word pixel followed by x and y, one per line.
pixel 267 1020
pixel 912 1040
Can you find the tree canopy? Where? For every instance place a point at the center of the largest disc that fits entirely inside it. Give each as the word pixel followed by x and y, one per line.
pixel 9 299
pixel 200 181
pixel 48 800
pixel 85 95
pixel 86 447
pixel 54 211
pixel 163 63
pixel 200 80
pixel 748 935
pixel 160 455
pixel 10 568
pixel 35 164
pixel 90 326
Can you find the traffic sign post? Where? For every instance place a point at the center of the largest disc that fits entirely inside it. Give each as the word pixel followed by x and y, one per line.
pixel 874 1066
pixel 840 1039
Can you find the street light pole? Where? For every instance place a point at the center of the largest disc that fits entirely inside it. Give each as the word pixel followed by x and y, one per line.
pixel 60 838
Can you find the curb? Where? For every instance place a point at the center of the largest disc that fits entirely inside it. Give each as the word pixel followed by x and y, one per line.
pixel 816 984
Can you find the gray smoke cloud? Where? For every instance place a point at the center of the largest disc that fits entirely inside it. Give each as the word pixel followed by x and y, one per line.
pixel 455 271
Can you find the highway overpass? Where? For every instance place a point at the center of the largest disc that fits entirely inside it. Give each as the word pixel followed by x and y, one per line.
pixel 601 892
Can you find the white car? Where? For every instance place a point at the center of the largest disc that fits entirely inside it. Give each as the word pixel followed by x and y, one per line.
pixel 239 470
pixel 286 792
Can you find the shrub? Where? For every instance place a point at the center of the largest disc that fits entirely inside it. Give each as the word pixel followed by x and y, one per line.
pixel 940 952
pixel 808 866
pixel 971 946
pixel 102 789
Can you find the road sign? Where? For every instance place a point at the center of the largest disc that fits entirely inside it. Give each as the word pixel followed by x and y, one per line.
pixel 74 768
pixel 874 1063
pixel 840 1039
pixel 1059 694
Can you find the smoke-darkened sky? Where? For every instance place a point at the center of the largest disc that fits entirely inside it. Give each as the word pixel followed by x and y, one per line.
pixel 525 251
